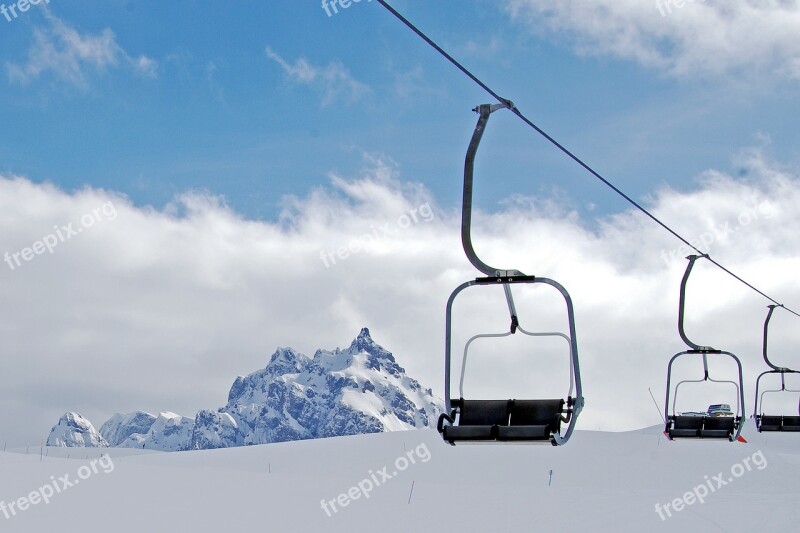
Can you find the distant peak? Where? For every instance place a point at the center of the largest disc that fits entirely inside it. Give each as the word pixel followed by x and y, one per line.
pixel 286 361
pixel 74 418
pixel 364 343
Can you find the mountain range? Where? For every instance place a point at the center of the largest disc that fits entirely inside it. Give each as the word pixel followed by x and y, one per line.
pixel 361 389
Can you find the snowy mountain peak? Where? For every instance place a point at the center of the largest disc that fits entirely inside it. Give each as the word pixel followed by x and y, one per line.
pixel 75 431
pixel 166 432
pixel 364 344
pixel 341 392
pixel 286 361
pixel 362 352
pixel 363 341
pixel 121 426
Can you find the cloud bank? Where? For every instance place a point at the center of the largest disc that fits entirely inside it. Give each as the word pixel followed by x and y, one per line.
pixel 162 309
pixel 690 38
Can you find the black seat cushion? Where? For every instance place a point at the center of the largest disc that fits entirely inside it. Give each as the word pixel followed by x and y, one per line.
pixel 791 423
pixel 477 420
pixel 685 426
pixel 479 433
pixel 537 413
pixel 770 423
pixel 483 413
pixel 512 433
pixel 533 420
pixel 717 427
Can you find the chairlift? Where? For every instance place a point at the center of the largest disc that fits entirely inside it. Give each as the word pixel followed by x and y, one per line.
pixel 682 426
pixel 774 422
pixel 505 421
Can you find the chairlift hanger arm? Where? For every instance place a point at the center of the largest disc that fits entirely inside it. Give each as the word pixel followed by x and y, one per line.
pixel 484 111
pixel 766 335
pixel 682 307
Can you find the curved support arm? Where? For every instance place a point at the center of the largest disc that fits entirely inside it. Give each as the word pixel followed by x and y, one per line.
pixel 766 332
pixel 682 307
pixel 466 206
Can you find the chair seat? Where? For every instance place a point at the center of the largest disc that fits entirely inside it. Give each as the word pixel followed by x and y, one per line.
pixel 701 427
pixel 714 434
pixel 473 433
pixel 684 433
pixel 770 423
pixel 791 423
pixel 511 433
pixel 504 420
pixel 778 423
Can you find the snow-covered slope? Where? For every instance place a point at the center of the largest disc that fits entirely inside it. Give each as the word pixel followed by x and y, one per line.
pixel 74 431
pixel 412 481
pixel 358 390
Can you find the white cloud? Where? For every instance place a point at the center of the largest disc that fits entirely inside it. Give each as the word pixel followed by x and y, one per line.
pixel 161 310
pixel 702 38
pixel 334 80
pixel 61 49
pixel 145 66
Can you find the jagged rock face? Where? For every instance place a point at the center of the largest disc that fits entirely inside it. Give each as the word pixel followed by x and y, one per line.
pixel 215 430
pixel 119 427
pixel 344 392
pixel 168 433
pixel 74 431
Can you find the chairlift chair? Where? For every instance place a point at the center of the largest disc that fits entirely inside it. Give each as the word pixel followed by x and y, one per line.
pixel 774 422
pixel 700 427
pixel 521 421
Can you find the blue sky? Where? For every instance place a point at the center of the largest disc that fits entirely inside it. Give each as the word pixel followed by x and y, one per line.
pixel 217 153
pixel 216 113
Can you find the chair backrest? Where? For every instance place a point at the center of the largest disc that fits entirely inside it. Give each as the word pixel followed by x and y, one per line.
pixel 537 413
pixel 483 413
pixel 793 421
pixel 719 422
pixel 688 422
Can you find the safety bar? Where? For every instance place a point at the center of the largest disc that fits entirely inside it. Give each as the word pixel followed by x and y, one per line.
pixel 758 408
pixel 507 334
